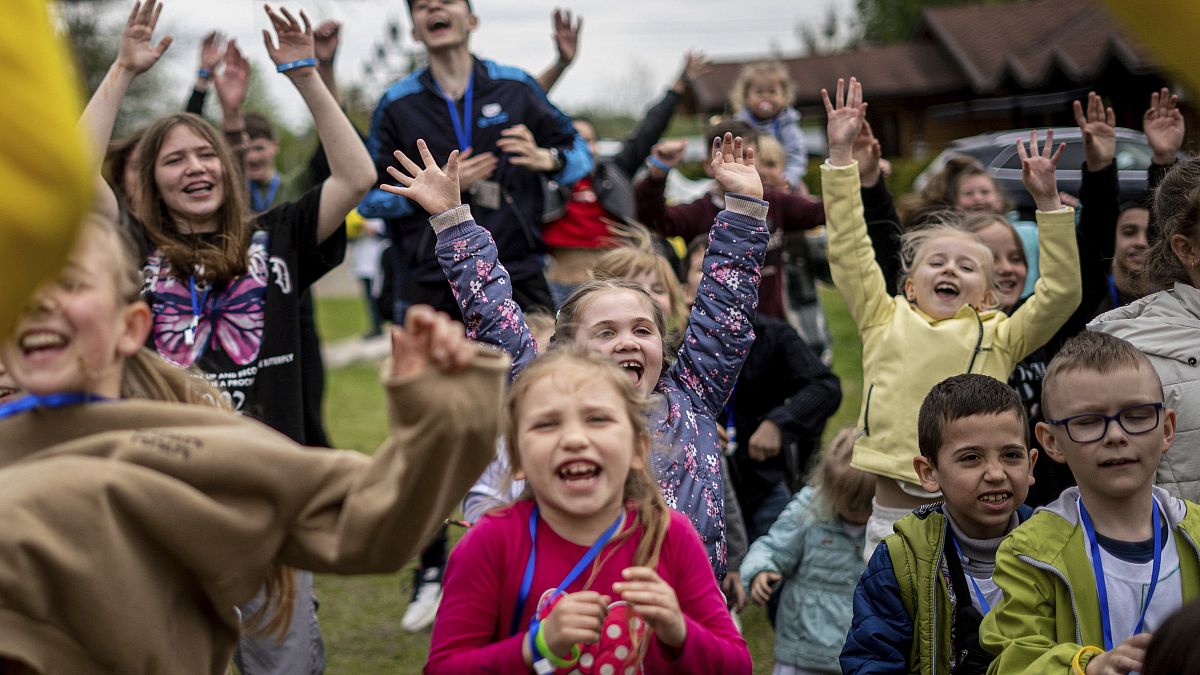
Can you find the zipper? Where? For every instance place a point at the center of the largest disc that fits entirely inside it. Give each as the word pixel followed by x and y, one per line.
pixel 1046 567
pixel 978 341
pixel 867 412
pixel 937 571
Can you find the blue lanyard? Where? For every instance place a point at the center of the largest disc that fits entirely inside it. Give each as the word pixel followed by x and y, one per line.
pixel 189 335
pixel 527 580
pixel 462 125
pixel 1112 291
pixel 1098 571
pixel 983 603
pixel 260 202
pixel 48 401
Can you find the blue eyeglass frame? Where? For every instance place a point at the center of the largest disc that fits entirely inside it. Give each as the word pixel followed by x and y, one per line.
pixel 1109 419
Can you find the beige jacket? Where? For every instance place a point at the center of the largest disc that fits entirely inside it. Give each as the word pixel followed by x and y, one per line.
pixel 131 529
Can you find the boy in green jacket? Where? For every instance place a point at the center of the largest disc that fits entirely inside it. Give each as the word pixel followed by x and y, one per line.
pixel 1090 576
pixel 918 606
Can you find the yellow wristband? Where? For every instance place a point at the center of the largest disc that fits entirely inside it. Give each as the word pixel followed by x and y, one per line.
pixel 1085 654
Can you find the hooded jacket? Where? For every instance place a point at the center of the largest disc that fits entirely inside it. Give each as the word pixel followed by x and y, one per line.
pixel 906 352
pixel 1050 607
pixel 132 529
pixel 1165 326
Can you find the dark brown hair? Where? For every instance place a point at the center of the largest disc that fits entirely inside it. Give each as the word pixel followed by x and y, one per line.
pixel 220 259
pixel 566 323
pixel 1176 210
pixel 941 192
pixel 1173 649
pixel 965 395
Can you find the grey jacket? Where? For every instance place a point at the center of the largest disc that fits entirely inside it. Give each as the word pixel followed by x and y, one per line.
pixel 1165 326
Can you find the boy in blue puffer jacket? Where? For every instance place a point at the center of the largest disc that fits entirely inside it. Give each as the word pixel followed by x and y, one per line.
pixel 918 606
pixel 815 547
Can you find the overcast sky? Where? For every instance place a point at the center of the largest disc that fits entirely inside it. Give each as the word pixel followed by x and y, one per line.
pixel 630 49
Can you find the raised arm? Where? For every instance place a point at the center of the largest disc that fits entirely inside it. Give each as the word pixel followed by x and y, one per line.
pixel 468 255
pixel 352 172
pixel 1056 293
pixel 719 334
pixel 852 264
pixel 879 210
pixel 678 220
pixel 1164 129
pixel 566 41
pixel 212 51
pixel 639 143
pixel 136 54
pixel 325 44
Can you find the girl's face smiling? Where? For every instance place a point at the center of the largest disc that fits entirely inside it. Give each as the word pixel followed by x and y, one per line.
pixel 189 177
pixel 576 446
pixel 1009 260
pixel 77 331
pixel 949 273
pixel 618 324
pixel 977 194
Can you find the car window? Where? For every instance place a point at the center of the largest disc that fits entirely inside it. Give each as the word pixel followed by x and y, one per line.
pixel 1073 157
pixel 1132 156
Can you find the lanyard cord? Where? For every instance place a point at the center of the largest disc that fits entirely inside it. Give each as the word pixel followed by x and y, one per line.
pixel 1098 571
pixel 198 301
pixel 260 202
pixel 48 401
pixel 527 580
pixel 462 124
pixel 983 603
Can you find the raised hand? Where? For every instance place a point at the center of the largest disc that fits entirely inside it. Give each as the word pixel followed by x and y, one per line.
pixel 212 50
pixel 669 153
pixel 654 600
pixel 566 35
pixel 869 155
pixel 1099 129
pixel 234 79
pixel 325 40
pixel 295 38
pixel 473 168
pixel 576 618
pixel 429 338
pixel 436 190
pixel 523 150
pixel 846 114
pixel 733 167
pixel 1163 126
pixel 1037 170
pixel 137 52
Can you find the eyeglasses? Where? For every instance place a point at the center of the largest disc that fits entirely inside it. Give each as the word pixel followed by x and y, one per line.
pixel 1091 427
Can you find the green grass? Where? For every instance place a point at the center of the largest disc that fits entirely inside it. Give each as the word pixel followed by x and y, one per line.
pixel 360 616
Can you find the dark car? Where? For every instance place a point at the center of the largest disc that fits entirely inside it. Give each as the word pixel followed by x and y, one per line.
pixel 998 152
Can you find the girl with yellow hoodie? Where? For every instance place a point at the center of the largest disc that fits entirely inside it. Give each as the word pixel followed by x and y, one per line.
pixel 946 321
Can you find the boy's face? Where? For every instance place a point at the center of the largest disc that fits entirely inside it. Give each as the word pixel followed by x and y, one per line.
pixel 442 24
pixel 984 471
pixel 1119 465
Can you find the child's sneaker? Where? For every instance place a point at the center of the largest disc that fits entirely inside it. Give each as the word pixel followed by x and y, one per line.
pixel 427 595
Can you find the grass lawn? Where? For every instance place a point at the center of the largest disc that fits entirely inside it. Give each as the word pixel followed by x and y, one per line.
pixel 360 616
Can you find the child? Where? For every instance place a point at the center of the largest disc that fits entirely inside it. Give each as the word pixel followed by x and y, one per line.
pixel 1173 648
pixel 927 586
pixel 815 550
pixel 621 320
pixel 608 579
pixel 762 97
pixel 134 528
pixel 1090 576
pixel 945 322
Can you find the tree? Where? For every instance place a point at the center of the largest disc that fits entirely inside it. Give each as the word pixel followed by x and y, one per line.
pixel 888 21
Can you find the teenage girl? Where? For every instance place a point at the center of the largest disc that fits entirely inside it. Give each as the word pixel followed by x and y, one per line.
pixel 590 572
pixel 622 321
pixel 945 322
pixel 133 528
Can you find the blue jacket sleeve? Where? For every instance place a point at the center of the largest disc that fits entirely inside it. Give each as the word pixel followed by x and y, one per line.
pixel 481 286
pixel 551 127
pixel 719 334
pixel 382 141
pixel 881 632
pixel 782 547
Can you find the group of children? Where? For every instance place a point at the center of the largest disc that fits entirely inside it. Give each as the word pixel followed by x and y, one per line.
pixel 131 486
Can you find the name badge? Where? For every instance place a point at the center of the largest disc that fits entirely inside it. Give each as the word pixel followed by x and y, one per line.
pixel 486 194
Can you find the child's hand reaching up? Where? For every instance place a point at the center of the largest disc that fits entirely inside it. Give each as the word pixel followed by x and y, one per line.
pixel 429 338
pixel 733 167
pixel 576 619
pixel 652 598
pixel 1037 170
pixel 431 187
pixel 1123 659
pixel 137 52
pixel 846 114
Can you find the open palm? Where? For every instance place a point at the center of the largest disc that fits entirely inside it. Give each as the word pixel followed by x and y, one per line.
pixel 295 37
pixel 137 52
pixel 431 187
pixel 733 167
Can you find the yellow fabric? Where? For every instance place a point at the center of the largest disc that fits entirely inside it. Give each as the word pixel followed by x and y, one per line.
pixel 45 177
pixel 1167 28
pixel 905 352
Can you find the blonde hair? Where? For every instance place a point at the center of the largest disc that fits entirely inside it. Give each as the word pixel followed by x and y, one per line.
pixel 840 487
pixel 763 70
pixel 636 257
pixel 641 492
pixel 770 150
pixel 913 245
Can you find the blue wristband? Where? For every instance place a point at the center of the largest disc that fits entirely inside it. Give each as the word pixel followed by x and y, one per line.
pixel 299 63
pixel 658 164
pixel 204 73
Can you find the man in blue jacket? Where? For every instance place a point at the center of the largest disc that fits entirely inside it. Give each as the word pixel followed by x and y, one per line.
pixel 517 141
